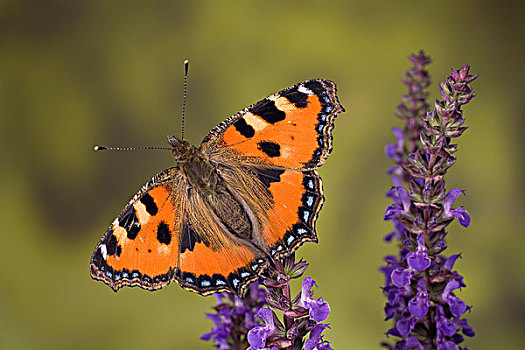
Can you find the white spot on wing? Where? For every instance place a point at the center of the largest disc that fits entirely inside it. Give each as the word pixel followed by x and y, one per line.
pixel 205 283
pixel 306 215
pixel 310 201
pixel 142 214
pixel 301 231
pixel 305 90
pixel 104 251
pixel 255 122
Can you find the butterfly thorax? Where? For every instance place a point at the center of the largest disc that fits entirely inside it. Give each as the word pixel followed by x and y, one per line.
pixel 196 167
pixel 204 179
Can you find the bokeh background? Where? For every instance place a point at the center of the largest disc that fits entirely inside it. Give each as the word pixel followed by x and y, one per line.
pixel 78 73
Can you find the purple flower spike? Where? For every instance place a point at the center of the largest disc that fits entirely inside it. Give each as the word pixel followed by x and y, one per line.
pixel 318 309
pixel 426 315
pixel 419 259
pixel 419 304
pixel 257 335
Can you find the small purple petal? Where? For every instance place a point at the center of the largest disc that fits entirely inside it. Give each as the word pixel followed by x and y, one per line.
pixel 405 325
pixel 450 198
pixel 419 259
pixel 401 277
pixel 449 263
pixel 257 337
pixel 400 137
pixel 462 215
pixel 419 304
pixel 413 343
pixel 315 342
pixel 445 326
pixel 447 345
pixel 467 330
pixel 267 316
pixel 308 283
pixel 319 309
pixel 390 150
pixel 457 306
pixel 451 286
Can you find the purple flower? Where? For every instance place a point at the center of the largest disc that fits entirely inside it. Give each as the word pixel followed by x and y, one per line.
pixel 460 213
pixel 413 343
pixel 401 277
pixel 316 342
pixel 444 325
pixel 419 281
pixel 457 306
pixel 405 325
pixel 318 309
pixel 257 335
pixel 419 304
pixel 419 259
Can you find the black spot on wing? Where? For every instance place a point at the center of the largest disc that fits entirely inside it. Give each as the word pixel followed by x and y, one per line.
pixel 299 99
pixel 111 243
pixel 271 149
pixel 190 238
pixel 148 201
pixel 314 86
pixel 129 221
pixel 97 259
pixel 163 233
pixel 268 175
pixel 244 128
pixel 266 110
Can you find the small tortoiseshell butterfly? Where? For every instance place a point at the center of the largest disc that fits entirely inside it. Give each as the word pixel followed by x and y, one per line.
pixel 250 193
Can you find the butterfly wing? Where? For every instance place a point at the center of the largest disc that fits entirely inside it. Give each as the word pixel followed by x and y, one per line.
pixel 291 129
pixel 141 247
pixel 297 198
pixel 281 141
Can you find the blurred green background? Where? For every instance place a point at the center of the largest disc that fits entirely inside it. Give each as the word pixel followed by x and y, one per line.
pixel 78 73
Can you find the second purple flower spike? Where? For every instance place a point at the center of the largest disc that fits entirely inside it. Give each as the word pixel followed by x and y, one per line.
pixel 419 281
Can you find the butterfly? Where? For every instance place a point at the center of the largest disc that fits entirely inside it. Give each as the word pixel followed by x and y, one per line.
pixel 249 194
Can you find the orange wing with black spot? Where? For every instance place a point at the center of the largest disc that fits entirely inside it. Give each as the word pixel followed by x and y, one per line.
pixel 141 247
pixel 291 129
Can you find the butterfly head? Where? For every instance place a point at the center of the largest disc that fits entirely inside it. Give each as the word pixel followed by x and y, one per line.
pixel 182 149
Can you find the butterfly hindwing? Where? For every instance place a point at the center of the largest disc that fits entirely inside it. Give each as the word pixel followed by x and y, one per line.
pixel 206 268
pixel 290 129
pixel 297 198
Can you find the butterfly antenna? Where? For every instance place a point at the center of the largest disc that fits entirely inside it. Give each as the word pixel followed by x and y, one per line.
pixel 184 98
pixel 104 148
